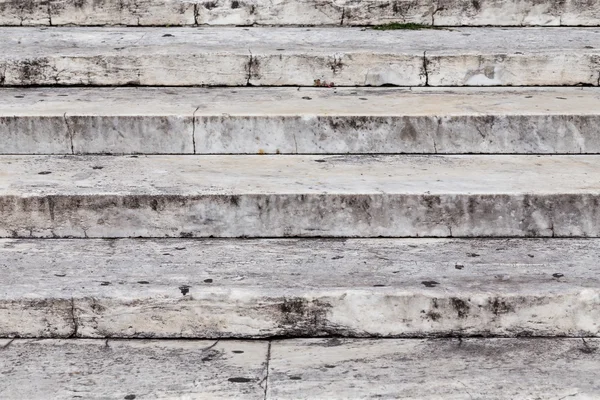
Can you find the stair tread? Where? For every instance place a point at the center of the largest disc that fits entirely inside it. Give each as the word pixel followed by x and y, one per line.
pixel 297 56
pixel 305 287
pixel 101 369
pixel 306 121
pixel 303 369
pixel 274 196
pixel 449 369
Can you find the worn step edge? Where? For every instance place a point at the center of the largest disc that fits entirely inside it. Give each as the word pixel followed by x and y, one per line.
pixel 293 12
pixel 309 121
pixel 494 369
pixel 299 57
pixel 303 196
pixel 298 288
pixel 94 369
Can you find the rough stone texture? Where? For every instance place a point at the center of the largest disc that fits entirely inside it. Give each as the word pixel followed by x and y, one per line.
pixel 294 12
pixel 309 121
pixel 186 288
pixel 295 56
pixel 113 369
pixel 275 196
pixel 494 369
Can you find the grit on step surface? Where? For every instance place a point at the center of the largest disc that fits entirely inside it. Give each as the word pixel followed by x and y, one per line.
pixel 299 56
pixel 294 12
pixel 492 369
pixel 209 288
pixel 284 196
pixel 306 121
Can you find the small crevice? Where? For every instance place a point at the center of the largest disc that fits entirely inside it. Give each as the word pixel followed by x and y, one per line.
pixel 196 13
pixel 433 14
pixel 70 132
pixel 49 12
pixel 425 70
pixel 343 15
pixel 7 344
pixel 74 320
pixel 266 378
pixel 295 142
pixel 194 129
pixel 250 66
pixel 211 346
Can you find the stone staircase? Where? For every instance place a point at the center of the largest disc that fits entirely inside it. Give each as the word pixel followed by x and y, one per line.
pixel 299 199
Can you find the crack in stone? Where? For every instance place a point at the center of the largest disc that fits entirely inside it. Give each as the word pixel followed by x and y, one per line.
pixel 7 344
pixel 70 132
pixel 73 320
pixel 266 378
pixel 194 129
pixel 425 70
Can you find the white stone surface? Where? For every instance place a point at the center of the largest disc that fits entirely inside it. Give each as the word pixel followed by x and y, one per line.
pixel 294 12
pixel 468 369
pixel 275 196
pixel 114 369
pixel 306 121
pixel 212 288
pixel 299 56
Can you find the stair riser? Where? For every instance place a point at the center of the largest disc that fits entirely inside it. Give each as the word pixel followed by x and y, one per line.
pixel 520 134
pixel 290 12
pixel 213 313
pixel 303 215
pixel 359 69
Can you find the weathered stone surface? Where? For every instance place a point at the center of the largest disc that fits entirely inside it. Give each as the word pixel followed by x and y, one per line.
pixel 113 369
pixel 294 12
pixel 252 196
pixel 494 369
pixel 309 121
pixel 298 57
pixel 275 196
pixel 359 288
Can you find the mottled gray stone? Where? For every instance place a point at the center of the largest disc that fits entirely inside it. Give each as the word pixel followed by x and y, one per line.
pixel 114 369
pixel 184 288
pixel 468 369
pixel 275 196
pixel 298 57
pixel 309 121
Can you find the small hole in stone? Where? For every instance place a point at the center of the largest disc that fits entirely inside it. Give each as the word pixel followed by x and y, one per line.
pixel 104 283
pixel 143 282
pixel 44 173
pixel 558 275
pixel 208 280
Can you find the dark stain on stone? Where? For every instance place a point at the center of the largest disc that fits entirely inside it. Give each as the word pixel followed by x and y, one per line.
pixel 97 167
pixel 461 307
pixel 473 255
pixel 459 266
pixel 329 366
pixel 208 280
pixel 239 380
pixel 211 355
pixel 530 255
pixel 430 283
pixel 209 5
pixel 104 283
pixel 238 351
pixel 500 307
pixel 558 275
pixel 143 282
pixel 44 173
pixel 185 289
pixel 186 234
pixel 129 397
pixel 307 98
pixel 336 257
pixel 363 98
pixel 295 378
pixel 235 4
pixel 476 5
pixel 434 316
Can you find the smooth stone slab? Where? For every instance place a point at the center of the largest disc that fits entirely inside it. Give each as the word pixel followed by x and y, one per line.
pixel 283 196
pixel 466 369
pixel 309 121
pixel 299 56
pixel 114 369
pixel 184 288
pixel 294 12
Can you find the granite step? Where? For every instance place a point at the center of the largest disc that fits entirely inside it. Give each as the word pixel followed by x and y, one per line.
pixel 299 196
pixel 494 369
pixel 299 57
pixel 306 121
pixel 294 12
pixel 245 288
